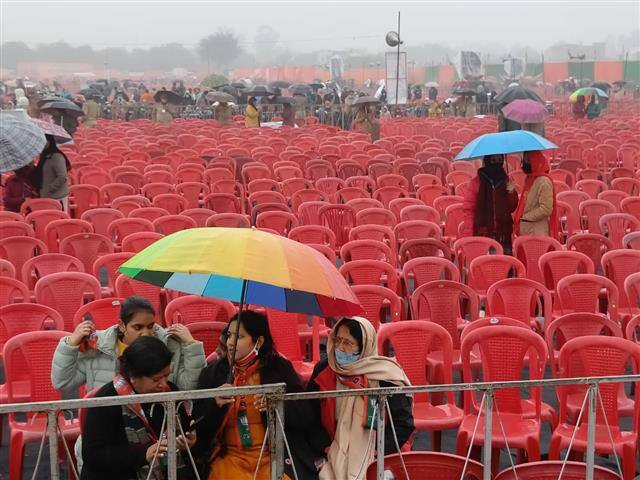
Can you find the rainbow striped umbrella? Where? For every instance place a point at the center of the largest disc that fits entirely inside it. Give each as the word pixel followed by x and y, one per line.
pixel 246 266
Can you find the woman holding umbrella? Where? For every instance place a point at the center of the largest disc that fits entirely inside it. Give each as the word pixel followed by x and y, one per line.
pixel 252 114
pixel 50 175
pixel 579 109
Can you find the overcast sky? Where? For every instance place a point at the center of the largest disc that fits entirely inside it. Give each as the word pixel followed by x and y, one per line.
pixel 305 26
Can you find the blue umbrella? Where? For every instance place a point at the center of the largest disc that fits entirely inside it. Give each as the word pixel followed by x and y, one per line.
pixel 504 142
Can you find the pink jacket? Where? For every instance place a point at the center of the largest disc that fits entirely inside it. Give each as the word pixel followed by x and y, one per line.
pixel 469 205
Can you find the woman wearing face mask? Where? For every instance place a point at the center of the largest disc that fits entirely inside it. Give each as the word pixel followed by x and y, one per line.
pixel 537 212
pixel 489 202
pixel 344 447
pixel 127 442
pixel 231 435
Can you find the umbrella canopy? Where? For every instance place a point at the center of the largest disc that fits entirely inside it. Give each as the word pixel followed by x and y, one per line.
pixel 300 89
pixel 172 97
pixel 259 91
pixel 20 141
pixel 504 142
pixel 69 107
pixel 279 84
pixel 50 98
pixel 432 84
pixel 601 85
pixel 59 134
pixel 220 97
pixel 464 92
pixel 525 111
pixel 586 92
pixel 366 100
pixel 228 89
pixel 245 265
pixel 517 92
pixel 317 85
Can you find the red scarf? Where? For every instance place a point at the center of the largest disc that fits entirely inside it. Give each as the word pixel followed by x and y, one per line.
pixel 539 168
pixel 124 388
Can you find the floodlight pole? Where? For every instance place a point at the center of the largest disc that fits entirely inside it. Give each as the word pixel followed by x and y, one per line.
pixel 398 64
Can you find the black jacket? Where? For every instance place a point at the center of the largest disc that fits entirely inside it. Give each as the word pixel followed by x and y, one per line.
pixel 401 411
pixel 106 452
pixel 298 414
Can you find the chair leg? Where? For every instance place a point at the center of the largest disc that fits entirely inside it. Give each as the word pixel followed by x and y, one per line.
pixel 436 440
pixel 16 454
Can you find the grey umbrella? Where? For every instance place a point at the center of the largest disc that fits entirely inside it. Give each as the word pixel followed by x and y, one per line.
pixel 300 89
pixel 259 91
pixel 67 107
pixel 20 141
pixel 220 97
pixel 366 100
pixel 517 93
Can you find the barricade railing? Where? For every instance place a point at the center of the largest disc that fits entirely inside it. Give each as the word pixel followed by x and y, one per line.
pixel 275 397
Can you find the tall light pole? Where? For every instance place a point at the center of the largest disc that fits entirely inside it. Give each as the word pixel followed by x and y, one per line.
pixel 398 62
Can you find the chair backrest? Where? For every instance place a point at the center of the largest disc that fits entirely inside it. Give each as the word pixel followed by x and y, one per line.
pixel 416 229
pixel 616 225
pixel 13 290
pixel 340 219
pixel 518 298
pixel 376 216
pixel 65 292
pixel 442 466
pixel 370 272
pixel 468 248
pixel 126 287
pixel 104 312
pixel 419 212
pixel 20 249
pixel 41 218
pixel 593 245
pixel 200 215
pixel 169 224
pixel 632 290
pixel 37 267
pixel 120 228
pixel 367 250
pixel 377 302
pixel 100 218
pixel 286 338
pixel 581 293
pixel 208 333
pixel 559 264
pixel 574 325
pixel 421 270
pixel 486 270
pixel 618 265
pixel 550 470
pixel 591 211
pixel 20 318
pixel 136 242
pixel 281 222
pixel 57 230
pixel 441 301
pixel 7 269
pixel 528 249
pixel 35 204
pixel 86 247
pixel 12 228
pixel 317 234
pixel 503 354
pixel 190 309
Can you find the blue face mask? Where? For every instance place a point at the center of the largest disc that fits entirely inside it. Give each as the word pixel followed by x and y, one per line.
pixel 345 358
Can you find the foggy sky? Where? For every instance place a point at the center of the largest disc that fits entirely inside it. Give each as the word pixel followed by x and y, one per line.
pixel 306 26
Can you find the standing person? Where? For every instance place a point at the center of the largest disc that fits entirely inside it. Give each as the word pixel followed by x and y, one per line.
pixel 366 121
pixel 433 94
pixel 127 441
pixel 288 115
pixel 489 201
pixel 231 435
pixel 91 111
pixel 537 212
pixel 343 442
pixel 579 108
pixel 50 175
pixel 252 114
pixel 593 109
pixel 18 188
pixel 223 113
pixel 163 110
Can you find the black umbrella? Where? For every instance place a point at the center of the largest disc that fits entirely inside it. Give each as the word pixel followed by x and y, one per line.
pixel 172 97
pixel 230 90
pixel 69 108
pixel 464 92
pixel 316 85
pixel 517 93
pixel 259 91
pixel 279 84
pixel 50 98
pixel 90 93
pixel 366 100
pixel 238 85
pixel 220 97
pixel 300 89
pixel 602 85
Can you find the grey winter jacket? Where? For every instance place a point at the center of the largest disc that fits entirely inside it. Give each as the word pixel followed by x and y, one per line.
pixel 72 368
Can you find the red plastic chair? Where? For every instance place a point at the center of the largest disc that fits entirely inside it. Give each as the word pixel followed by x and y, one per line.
pixel 594 356
pixel 172 202
pixel 199 215
pixel 208 333
pixel 169 224
pixel 100 218
pixel 618 265
pixel 86 247
pixel 412 343
pixel 287 341
pixel 37 267
pixel 486 270
pixel 367 250
pixel 82 198
pixel 307 195
pixel 360 204
pixel 378 303
pixel 340 219
pixel 281 222
pixel 467 248
pixel 20 318
pixel 386 194
pixel 631 241
pixel 112 191
pixel 528 249
pixel 110 262
pixel 616 225
pixel 6 215
pixel 614 197
pixel 193 193
pixel 370 272
pixel 441 466
pixel 426 247
pixel 190 309
pixel 20 249
pixel 592 245
pixel 136 242
pixel 582 292
pixel 118 229
pixel 40 219
pixel 35 204
pixel 419 212
pixel 58 230
pixel 559 264
pixel 519 298
pixel 127 287
pixel 376 216
pixel 66 293
pixel 591 187
pixel 16 229
pixel 13 291
pixel 632 291
pixel 32 353
pixel 416 229
pixel 104 313
pixel 430 193
pixel 381 233
pixel 7 269
pixel 591 211
pixel 223 203
pixel 629 205
pixel 503 350
pixel 316 234
pixel 421 270
pixel 550 470
pixel 630 186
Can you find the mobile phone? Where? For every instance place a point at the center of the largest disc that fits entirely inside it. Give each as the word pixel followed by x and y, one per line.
pixel 195 422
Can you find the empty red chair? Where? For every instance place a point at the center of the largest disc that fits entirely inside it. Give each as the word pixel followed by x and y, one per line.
pixel 58 230
pixel 360 204
pixel 32 353
pixel 7 269
pixel 86 247
pixel 419 212
pixel 581 293
pixel 554 469
pixel 618 265
pixel 468 248
pixel 100 218
pixel 12 291
pixel 412 344
pixel 229 220
pixel 281 222
pixel 562 263
pixel 421 270
pixel 110 262
pixel 591 187
pixel 112 191
pixel 528 249
pixel 614 197
pixel 41 218
pixel 330 186
pixel 190 309
pixel 135 179
pixel 367 250
pixel 223 203
pixel 16 229
pixel 616 225
pixel 430 193
pixel 591 211
pixel 378 304
pixel 376 216
pixel 340 219
pixel 66 292
pixel 416 229
pixel 593 245
pixel 503 350
pixel 83 198
pixel 126 287
pixel 136 242
pixel 104 313
pixel 386 194
pixel 631 240
pixel 287 340
pixel 120 228
pixel 425 247
pixel 632 290
pixel 380 233
pixel 486 270
pixel 6 215
pixel 630 186
pixel 34 204
pixel 20 249
pixel 169 224
pixel 629 205
pixel 208 333
pixel 519 298
pixel 594 356
pixel 171 202
pixel 193 192
pixel 370 272
pixel 443 466
pixel 37 267
pixel 307 195
pixel 200 215
pixel 20 318
pixel 313 234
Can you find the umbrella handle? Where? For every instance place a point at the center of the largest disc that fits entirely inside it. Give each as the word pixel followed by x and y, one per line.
pixel 235 338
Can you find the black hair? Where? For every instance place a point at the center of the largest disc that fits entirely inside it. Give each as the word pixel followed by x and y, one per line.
pixel 492 158
pixel 133 305
pixel 354 329
pixel 146 356
pixel 46 153
pixel 257 325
